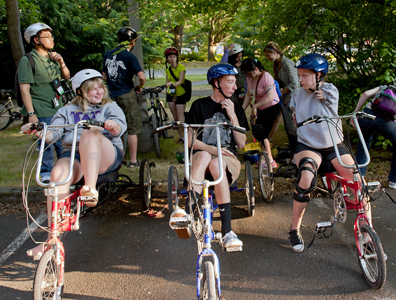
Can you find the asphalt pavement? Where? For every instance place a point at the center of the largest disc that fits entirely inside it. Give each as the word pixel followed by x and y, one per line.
pixel 132 256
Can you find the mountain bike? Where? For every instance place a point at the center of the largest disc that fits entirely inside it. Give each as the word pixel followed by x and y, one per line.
pixel 200 220
pixel 158 117
pixel 8 111
pixel 371 256
pixel 66 212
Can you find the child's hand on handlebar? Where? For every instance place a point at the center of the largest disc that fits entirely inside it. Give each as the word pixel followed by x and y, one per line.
pixel 28 128
pixel 111 126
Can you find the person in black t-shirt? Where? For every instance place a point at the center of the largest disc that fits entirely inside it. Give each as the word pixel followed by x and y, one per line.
pixel 119 67
pixel 217 108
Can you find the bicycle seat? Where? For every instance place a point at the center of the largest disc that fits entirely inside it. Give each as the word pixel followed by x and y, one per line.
pixel 105 178
pixel 326 167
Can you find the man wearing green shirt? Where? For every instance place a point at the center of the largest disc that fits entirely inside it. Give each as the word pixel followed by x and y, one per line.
pixel 39 90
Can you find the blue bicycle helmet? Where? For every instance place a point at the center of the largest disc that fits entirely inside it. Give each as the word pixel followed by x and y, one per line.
pixel 219 70
pixel 314 62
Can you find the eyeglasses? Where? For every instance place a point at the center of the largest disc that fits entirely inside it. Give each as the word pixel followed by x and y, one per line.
pixel 46 37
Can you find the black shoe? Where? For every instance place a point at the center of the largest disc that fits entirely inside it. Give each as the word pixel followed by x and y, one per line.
pixel 296 240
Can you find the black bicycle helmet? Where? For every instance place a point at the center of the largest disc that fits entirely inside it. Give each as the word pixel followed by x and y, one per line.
pixel 126 34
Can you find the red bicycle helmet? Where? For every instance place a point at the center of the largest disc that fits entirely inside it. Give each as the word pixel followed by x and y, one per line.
pixel 171 50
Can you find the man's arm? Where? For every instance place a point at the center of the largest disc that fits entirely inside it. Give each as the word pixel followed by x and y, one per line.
pixel 27 100
pixel 142 82
pixel 104 76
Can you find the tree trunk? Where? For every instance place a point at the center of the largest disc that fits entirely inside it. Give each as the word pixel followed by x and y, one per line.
pixel 14 31
pixel 211 48
pixel 178 31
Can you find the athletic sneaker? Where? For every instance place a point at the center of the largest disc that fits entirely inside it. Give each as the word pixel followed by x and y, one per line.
pixel 274 165
pixel 296 240
pixel 392 185
pixel 231 242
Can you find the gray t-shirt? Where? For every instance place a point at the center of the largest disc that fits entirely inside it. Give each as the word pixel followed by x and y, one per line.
pixel 71 114
pixel 316 135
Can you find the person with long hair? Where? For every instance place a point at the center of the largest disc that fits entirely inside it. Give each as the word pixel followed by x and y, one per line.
pixel 266 107
pixel 176 96
pixel 97 152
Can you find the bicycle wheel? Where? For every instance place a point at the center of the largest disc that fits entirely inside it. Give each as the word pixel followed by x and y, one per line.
pixel 5 117
pixel 173 189
pixel 208 283
pixel 153 121
pixel 371 257
pixel 266 177
pixel 145 183
pixel 249 189
pixel 323 183
pixel 46 279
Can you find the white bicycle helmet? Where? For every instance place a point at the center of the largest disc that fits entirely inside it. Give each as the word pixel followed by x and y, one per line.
pixel 83 76
pixel 33 29
pixel 236 49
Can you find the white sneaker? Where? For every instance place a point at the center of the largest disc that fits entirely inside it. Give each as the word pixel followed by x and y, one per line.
pixel 392 185
pixel 46 179
pixel 231 242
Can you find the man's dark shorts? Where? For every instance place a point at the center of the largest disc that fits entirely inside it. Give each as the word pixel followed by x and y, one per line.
pixel 130 106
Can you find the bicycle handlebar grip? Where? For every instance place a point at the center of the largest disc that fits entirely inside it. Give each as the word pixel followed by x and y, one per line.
pixel 239 129
pixel 309 120
pixel 162 128
pixel 371 117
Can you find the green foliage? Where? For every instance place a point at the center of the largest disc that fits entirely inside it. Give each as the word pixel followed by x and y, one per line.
pixel 194 56
pixel 380 141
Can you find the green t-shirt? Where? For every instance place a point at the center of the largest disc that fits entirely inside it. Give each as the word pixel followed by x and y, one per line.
pixel 41 88
pixel 180 68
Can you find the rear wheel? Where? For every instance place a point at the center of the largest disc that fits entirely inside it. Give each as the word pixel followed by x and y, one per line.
pixel 153 120
pixel 371 257
pixel 47 277
pixel 5 117
pixel 163 118
pixel 173 189
pixel 249 189
pixel 145 183
pixel 265 177
pixel 208 283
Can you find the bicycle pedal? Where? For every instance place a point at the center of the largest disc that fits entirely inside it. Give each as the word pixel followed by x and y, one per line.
pixel 323 225
pixel 233 249
pixel 88 199
pixel 374 185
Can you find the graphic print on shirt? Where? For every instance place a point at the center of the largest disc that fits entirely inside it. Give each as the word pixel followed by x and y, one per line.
pixel 79 115
pixel 112 66
pixel 209 133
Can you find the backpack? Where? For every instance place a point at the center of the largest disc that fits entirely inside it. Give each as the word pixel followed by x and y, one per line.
pixel 384 104
pixel 17 91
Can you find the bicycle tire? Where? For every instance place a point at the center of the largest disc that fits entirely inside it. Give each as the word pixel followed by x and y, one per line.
pixel 153 121
pixel 371 258
pixel 324 185
pixel 145 183
pixel 173 189
pixel 5 116
pixel 249 189
pixel 208 283
pixel 46 278
pixel 266 177
pixel 164 119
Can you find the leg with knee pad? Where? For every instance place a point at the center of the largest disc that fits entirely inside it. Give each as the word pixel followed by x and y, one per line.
pixel 302 167
pixel 301 198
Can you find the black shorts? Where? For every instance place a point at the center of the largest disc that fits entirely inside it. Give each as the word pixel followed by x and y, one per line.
pixel 183 99
pixel 327 154
pixel 267 118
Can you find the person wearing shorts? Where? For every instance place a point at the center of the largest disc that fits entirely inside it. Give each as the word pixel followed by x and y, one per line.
pixel 97 151
pixel 216 108
pixel 314 143
pixel 119 68
pixel 176 95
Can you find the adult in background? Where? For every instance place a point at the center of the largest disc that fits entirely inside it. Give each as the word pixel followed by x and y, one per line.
pixel 261 87
pixel 39 89
pixel 119 67
pixel 233 55
pixel 286 75
pixel 176 96
pixel 380 125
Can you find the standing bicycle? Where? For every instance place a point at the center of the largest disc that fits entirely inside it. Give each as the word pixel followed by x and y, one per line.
pixel 8 111
pixel 157 115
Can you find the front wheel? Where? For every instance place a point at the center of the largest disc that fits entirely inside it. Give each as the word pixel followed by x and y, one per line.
pixel 47 278
pixel 153 120
pixel 173 189
pixel 208 283
pixel 5 117
pixel 371 257
pixel 145 183
pixel 249 188
pixel 265 177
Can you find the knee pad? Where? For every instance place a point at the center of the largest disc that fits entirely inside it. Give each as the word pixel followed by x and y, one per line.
pixel 301 198
pixel 314 171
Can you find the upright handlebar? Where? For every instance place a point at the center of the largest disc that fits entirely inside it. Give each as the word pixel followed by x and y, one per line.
pixel 354 115
pixel 154 89
pixel 85 124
